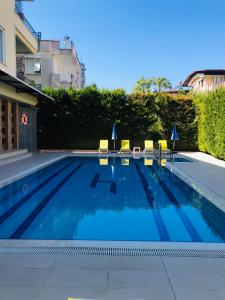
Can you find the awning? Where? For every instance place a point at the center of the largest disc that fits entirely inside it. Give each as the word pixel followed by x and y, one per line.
pixel 22 87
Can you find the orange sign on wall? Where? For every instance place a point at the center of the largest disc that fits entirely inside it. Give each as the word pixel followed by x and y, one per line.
pixel 24 119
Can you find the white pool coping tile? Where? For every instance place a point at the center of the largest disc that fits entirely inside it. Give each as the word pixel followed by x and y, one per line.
pixel 29 171
pixel 206 191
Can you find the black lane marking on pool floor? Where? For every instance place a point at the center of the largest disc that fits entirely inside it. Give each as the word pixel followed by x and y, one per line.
pixel 164 235
pixel 24 199
pixel 184 218
pixel 96 180
pixel 22 228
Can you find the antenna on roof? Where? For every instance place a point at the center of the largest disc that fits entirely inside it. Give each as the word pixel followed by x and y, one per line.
pixel 65 40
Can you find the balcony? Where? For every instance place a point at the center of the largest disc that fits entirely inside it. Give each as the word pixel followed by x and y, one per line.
pixel 19 12
pixel 32 83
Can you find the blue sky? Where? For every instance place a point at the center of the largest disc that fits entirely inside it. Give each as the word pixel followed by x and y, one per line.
pixel 123 40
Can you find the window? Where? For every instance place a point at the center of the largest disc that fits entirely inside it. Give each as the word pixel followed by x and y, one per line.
pixel 65 78
pixel 2 45
pixel 37 67
pixel 215 79
pixel 201 83
pixel 33 66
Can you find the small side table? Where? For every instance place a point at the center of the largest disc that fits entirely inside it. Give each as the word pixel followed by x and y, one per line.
pixel 137 150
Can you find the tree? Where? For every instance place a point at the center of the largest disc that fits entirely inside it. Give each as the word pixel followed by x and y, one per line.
pixel 161 83
pixel 143 85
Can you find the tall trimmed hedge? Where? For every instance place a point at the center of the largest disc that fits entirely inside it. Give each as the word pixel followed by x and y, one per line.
pixel 180 110
pixel 210 109
pixel 78 119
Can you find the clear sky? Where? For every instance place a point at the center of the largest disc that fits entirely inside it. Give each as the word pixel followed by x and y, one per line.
pixel 123 40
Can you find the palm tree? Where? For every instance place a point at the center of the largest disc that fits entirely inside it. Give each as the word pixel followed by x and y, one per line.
pixel 161 83
pixel 143 85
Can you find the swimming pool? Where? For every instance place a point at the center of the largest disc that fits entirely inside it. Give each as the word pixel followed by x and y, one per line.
pixel 107 199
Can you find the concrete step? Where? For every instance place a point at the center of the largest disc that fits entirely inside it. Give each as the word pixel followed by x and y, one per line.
pixel 8 154
pixel 14 158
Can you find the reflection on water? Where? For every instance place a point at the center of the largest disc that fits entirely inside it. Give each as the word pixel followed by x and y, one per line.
pixel 115 198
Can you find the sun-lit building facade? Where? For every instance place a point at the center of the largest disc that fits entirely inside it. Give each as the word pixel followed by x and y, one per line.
pixel 205 80
pixel 18 98
pixel 55 65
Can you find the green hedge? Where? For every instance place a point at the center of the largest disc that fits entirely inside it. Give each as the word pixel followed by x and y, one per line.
pixel 179 110
pixel 210 109
pixel 78 119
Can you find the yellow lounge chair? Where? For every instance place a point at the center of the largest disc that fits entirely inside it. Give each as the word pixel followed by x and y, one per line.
pixel 125 161
pixel 103 146
pixel 164 146
pixel 103 161
pixel 163 162
pixel 148 162
pixel 148 146
pixel 125 146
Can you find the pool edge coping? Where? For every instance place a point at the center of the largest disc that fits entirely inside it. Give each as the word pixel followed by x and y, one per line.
pixel 217 200
pixel 117 247
pixel 112 248
pixel 25 173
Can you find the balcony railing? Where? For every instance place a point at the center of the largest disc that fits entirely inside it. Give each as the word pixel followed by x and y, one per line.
pixel 19 11
pixel 32 83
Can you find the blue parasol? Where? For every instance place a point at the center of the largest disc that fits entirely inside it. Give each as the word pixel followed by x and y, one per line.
pixel 114 136
pixel 174 136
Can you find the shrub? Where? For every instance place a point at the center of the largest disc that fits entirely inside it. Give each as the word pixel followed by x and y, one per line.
pixel 78 119
pixel 210 108
pixel 180 110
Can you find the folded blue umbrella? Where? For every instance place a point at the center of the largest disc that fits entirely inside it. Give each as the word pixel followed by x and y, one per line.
pixel 174 136
pixel 114 136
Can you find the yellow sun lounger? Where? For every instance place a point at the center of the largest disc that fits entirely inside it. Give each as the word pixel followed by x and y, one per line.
pixel 103 146
pixel 148 147
pixel 125 161
pixel 125 146
pixel 148 162
pixel 164 146
pixel 163 162
pixel 103 161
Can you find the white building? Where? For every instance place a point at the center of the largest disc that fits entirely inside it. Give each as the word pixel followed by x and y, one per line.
pixel 53 66
pixel 18 98
pixel 205 80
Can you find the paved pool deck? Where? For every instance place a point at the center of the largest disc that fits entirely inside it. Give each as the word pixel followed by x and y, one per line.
pixel 205 170
pixel 58 277
pixel 205 174
pixel 40 277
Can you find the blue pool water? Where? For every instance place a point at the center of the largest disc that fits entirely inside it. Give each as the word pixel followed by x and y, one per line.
pixel 117 199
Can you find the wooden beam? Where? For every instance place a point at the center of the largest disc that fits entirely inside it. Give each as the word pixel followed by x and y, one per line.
pixel 0 125
pixel 9 125
pixel 16 126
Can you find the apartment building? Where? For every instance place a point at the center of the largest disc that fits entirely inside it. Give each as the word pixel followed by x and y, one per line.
pixel 18 99
pixel 55 65
pixel 83 75
pixel 205 80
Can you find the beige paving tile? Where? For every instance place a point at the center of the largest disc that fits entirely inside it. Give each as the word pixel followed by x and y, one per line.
pixel 78 278
pixel 26 261
pixel 194 264
pixel 22 277
pixel 109 262
pixel 140 294
pixel 18 292
pixel 196 278
pixel 152 280
pixel 63 293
